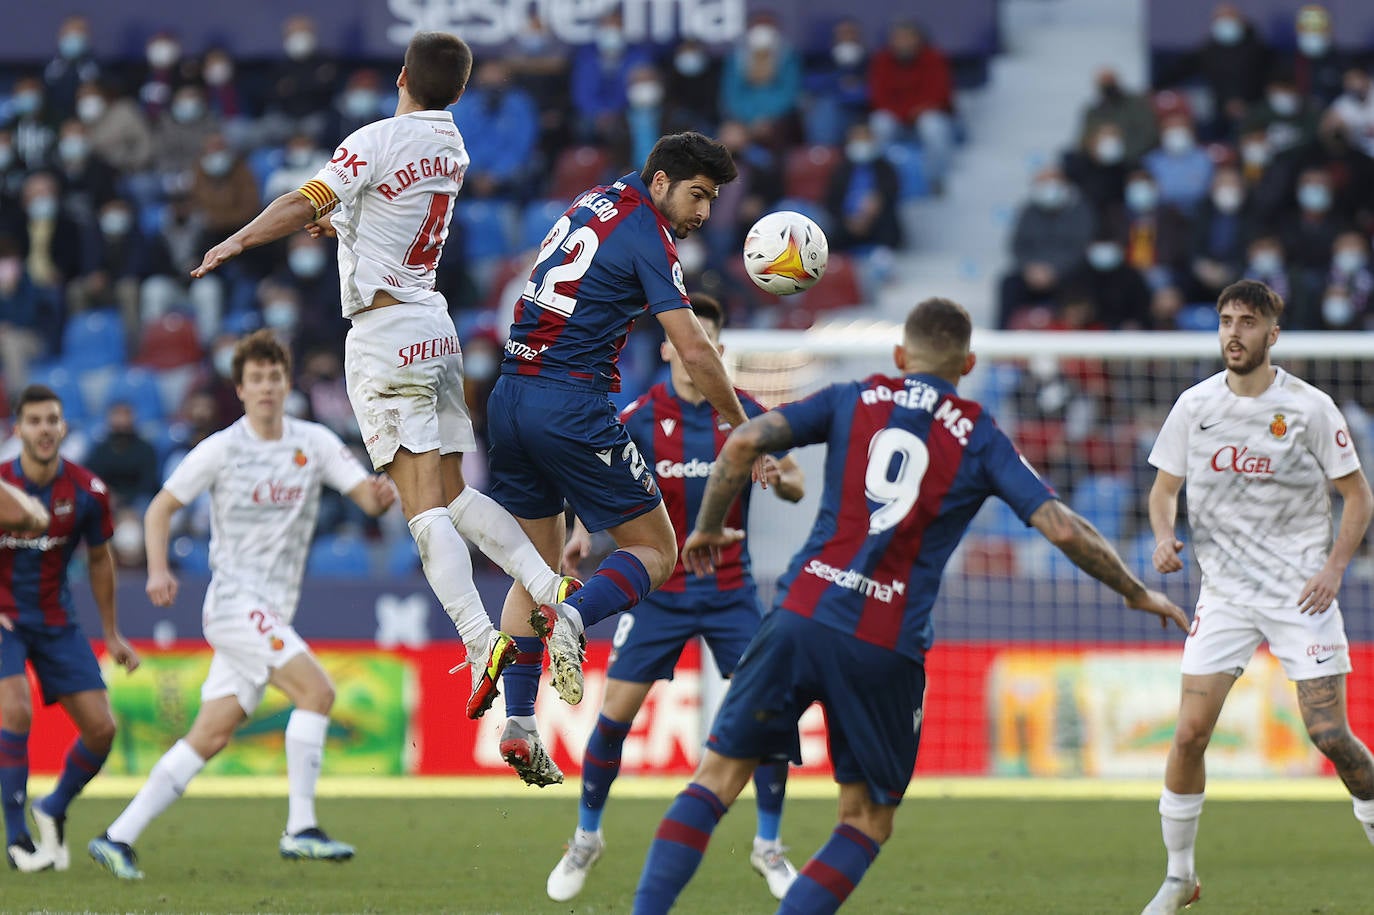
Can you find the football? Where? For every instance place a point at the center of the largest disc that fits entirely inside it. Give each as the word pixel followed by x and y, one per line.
pixel 785 252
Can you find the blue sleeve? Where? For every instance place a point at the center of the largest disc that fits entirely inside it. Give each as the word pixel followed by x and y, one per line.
pixel 656 265
pixel 1011 478
pixel 810 419
pixel 98 524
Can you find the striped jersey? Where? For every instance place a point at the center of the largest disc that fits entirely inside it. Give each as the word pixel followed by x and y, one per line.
pixel 908 465
pixel 680 441
pixel 606 261
pixel 33 567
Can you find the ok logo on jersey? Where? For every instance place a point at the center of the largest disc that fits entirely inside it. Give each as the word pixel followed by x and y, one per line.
pixel 350 160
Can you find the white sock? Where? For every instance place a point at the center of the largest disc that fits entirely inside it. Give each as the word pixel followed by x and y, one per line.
pixel 1179 815
pixel 480 519
pixel 1364 812
pixel 448 567
pixel 528 722
pixel 304 752
pixel 169 778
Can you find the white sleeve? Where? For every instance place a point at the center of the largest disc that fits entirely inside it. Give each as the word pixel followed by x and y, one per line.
pixel 197 471
pixel 1328 438
pixel 341 469
pixel 1170 453
pixel 350 170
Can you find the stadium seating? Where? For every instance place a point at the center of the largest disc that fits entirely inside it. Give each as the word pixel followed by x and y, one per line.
pixel 578 169
pixel 839 288
pixel 538 217
pixel 338 556
pixel 807 170
pixel 486 229
pixel 93 340
pixel 64 383
pixel 191 555
pixel 1105 501
pixel 139 389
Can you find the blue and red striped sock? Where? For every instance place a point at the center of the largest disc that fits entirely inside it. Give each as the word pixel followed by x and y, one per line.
pixel 80 767
pixel 620 582
pixel 677 848
pixel 831 875
pixel 14 783
pixel 520 681
pixel 770 784
pixel 600 766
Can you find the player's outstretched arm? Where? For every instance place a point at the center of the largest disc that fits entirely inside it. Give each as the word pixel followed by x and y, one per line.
pixel 157 526
pixel 1163 502
pixel 374 495
pixel 1075 536
pixel 702 361
pixel 1357 506
pixel 289 212
pixel 20 511
pixel 101 563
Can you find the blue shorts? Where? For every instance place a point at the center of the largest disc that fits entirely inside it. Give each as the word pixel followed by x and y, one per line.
pixel 650 636
pixel 871 697
pixel 549 442
pixel 61 657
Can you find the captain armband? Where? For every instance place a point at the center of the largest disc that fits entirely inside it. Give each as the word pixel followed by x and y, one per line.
pixel 320 195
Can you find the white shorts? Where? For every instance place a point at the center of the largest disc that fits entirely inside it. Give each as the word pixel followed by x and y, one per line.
pixel 1224 637
pixel 250 641
pixel 405 380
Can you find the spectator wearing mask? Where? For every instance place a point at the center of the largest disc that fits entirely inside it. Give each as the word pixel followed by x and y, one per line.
pixel 73 65
pixel 120 135
pixel 1099 169
pixel 1221 235
pixel 1318 68
pixel 179 140
pixel 301 159
pixel 223 188
pixel 1265 262
pixel 302 299
pixel 1182 170
pixel 131 265
pixel 911 89
pixel 1120 296
pixel 87 180
pixel 302 83
pixel 499 123
pixel 1053 229
pixel 862 196
pixel 29 316
pixel 599 77
pixel 761 83
pixel 692 88
pixel 540 66
pixel 359 103
pixel 1231 63
pixel 836 82
pixel 1127 110
pixel 54 247
pixel 645 115
pixel 12 174
pixel 32 128
pixel 165 71
pixel 1310 233
pixel 226 99
pixel 1348 299
pixel 1352 114
pixel 124 460
pixel 1288 119
pixel 1154 234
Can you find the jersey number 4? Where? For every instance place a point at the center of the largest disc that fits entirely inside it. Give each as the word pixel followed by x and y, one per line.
pixel 429 241
pixel 897 463
pixel 581 245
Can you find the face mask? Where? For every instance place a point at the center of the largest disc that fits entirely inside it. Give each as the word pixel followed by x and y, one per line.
pixel 116 222
pixel 217 163
pixel 6 156
pixel 72 45
pixel 761 38
pixel 861 151
pixel 360 103
pixel 1266 263
pixel 1313 44
pixel 691 63
pixel 1254 153
pixel 89 108
pixel 219 73
pixel 1316 197
pixel 299 45
pixel 1227 198
pixel 307 262
pixel 10 270
pixel 1349 260
pixel 645 95
pixel 1141 196
pixel 1337 310
pixel 1285 104
pixel 1110 149
pixel 26 102
pixel 1050 194
pixel 163 54
pixel 1104 255
pixel 42 208
pixel 480 366
pixel 73 149
pixel 1177 140
pixel 299 158
pixel 186 110
pixel 610 41
pixel 1227 30
pixel 279 315
pixel 223 361
pixel 847 54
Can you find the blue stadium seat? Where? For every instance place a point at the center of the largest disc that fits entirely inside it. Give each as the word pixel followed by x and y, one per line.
pixel 538 218
pixel 64 383
pixel 485 229
pixel 93 340
pixel 192 556
pixel 996 520
pixel 338 556
pixel 263 162
pixel 139 389
pixel 910 163
pixel 1105 501
pixel 402 558
pixel 1198 317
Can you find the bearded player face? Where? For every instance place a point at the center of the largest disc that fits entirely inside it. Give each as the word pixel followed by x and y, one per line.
pixel 1246 337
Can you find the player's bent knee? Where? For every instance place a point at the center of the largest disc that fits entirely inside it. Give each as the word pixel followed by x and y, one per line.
pixel 16 717
pixel 1191 738
pixel 1331 741
pixel 874 822
pixel 99 736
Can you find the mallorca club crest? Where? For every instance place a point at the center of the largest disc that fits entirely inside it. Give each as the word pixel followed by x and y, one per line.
pixel 300 458
pixel 1279 427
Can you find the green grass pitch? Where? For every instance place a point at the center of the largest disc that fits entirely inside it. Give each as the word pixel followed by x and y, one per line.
pixel 492 855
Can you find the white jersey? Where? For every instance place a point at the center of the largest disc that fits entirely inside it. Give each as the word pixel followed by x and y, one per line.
pixel 1256 471
pixel 396 180
pixel 264 498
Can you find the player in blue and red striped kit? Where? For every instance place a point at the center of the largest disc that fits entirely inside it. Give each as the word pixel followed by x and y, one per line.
pixel 679 434
pixel 37 627
pixel 554 434
pixel 853 623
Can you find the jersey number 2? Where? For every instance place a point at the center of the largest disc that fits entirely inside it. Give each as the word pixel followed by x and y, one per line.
pixel 895 488
pixel 429 241
pixel 582 245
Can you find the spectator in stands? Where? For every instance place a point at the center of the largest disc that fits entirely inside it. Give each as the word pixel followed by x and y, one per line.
pixel 1288 119
pixel 742 201
pixel 911 90
pixel 28 315
pixel 1182 170
pixel 223 188
pixel 55 248
pixel 165 72
pixel 1265 262
pixel 1233 64
pixel 1153 233
pixel 761 83
pixel 303 296
pixel 1348 300
pixel 1221 234
pixel 499 123
pixel 303 83
pixel 1052 231
pixel 301 159
pixel 539 65
pixel 179 140
pixel 1352 114
pixel 1310 233
pixel 1120 297
pixel 1318 68
pixel 119 134
pixel 225 98
pixel 322 382
pixel 645 115
pixel 124 459
pixel 599 78
pixel 1165 304
pixel 73 65
pixel 693 88
pixel 128 258
pixel 359 103
pixel 31 124
pixel 87 180
pixel 1099 169
pixel 12 173
pixel 862 196
pixel 1127 110
pixel 836 82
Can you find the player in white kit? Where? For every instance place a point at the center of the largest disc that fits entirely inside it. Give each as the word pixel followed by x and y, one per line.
pixel 1258 449
pixel 390 187
pixel 264 475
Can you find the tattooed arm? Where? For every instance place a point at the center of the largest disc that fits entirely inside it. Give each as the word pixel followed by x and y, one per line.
pixel 1090 551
